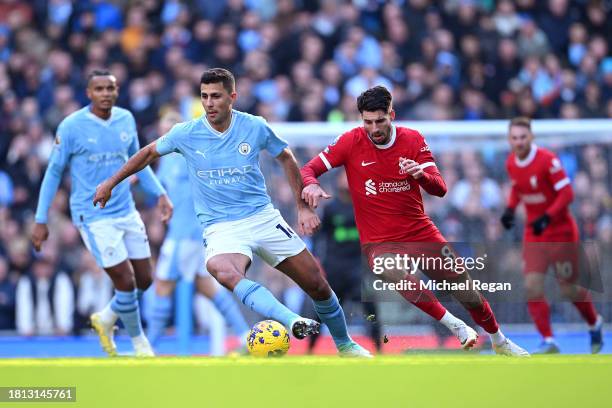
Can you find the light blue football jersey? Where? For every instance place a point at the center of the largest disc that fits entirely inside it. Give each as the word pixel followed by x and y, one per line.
pixel 94 149
pixel 174 175
pixel 226 180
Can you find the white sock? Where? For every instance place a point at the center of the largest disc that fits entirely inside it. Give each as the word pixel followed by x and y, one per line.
pixel 450 321
pixel 107 315
pixel 498 337
pixel 549 339
pixel 597 323
pixel 140 340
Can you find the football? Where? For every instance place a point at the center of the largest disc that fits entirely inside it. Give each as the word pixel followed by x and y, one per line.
pixel 268 338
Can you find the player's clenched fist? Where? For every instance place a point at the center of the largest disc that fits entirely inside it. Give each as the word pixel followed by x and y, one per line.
pixel 103 193
pixel 312 194
pixel 411 167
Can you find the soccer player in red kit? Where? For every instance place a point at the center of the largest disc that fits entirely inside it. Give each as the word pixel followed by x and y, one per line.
pixel 551 234
pixel 386 166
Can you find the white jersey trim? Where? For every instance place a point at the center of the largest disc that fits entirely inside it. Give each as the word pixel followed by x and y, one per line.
pixel 561 183
pixel 215 131
pixel 530 156
pixel 391 142
pixel 427 164
pixel 325 161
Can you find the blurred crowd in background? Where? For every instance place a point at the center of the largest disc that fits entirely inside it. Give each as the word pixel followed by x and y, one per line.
pixel 296 61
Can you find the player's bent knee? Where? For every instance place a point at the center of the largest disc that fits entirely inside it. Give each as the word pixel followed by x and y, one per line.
pixel 228 277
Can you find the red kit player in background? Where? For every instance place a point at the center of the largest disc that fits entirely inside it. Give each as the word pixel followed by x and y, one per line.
pixel 551 234
pixel 386 167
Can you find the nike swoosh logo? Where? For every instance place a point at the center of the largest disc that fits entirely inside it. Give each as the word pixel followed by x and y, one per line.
pixel 363 163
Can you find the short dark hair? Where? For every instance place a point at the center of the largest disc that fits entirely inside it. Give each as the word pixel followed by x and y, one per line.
pixel 97 73
pixel 523 121
pixel 375 99
pixel 216 75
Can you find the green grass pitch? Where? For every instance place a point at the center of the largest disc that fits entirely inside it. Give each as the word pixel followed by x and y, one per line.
pixel 390 381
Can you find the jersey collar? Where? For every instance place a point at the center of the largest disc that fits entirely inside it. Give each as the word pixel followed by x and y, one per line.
pixel 390 143
pixel 527 160
pixel 103 122
pixel 215 131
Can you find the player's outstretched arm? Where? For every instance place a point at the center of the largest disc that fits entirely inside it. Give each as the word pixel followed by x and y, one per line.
pixel 308 220
pixel 137 162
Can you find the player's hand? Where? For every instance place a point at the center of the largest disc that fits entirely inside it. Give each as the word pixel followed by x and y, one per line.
pixel 507 219
pixel 540 224
pixel 103 193
pixel 412 167
pixel 308 221
pixel 165 207
pixel 40 233
pixel 312 194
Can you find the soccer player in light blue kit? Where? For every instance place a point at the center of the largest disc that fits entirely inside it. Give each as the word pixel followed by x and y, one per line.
pixel 222 152
pixel 181 254
pixel 95 142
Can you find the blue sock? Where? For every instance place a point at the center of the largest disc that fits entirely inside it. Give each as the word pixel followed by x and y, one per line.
pixel 125 304
pixel 224 302
pixel 330 312
pixel 162 309
pixel 260 300
pixel 139 293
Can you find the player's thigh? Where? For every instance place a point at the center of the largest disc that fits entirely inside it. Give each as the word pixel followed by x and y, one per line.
pixel 275 240
pixel 304 270
pixel 104 239
pixel 135 236
pixel 534 285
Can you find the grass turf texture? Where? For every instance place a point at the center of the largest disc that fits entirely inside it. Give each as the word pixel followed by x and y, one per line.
pixel 388 381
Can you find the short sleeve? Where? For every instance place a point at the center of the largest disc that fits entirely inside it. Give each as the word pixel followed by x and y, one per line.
pixel 273 143
pixel 169 142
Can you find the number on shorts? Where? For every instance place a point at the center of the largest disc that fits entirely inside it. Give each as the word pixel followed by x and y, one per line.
pixel 286 230
pixel 564 269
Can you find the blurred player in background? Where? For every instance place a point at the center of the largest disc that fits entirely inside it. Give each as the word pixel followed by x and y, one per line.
pixel 182 255
pixel 340 254
pixel 540 182
pixel 380 154
pixel 222 152
pixel 94 142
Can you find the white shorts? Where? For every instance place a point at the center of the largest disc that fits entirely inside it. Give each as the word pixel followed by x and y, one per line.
pixel 265 234
pixel 180 259
pixel 113 240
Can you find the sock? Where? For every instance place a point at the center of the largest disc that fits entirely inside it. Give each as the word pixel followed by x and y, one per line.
pixel 262 301
pixel 540 314
pixel 140 340
pixel 230 311
pixel 585 307
pixel 107 315
pixel 497 338
pixel 162 309
pixel 450 321
pixel 330 312
pixel 598 322
pixel 139 293
pixel 484 317
pixel 125 304
pixel 425 300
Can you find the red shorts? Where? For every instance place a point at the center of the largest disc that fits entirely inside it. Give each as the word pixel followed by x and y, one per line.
pixel 558 248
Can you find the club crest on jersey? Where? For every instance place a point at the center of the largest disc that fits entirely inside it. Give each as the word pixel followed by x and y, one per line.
pixel 124 136
pixel 402 168
pixel 244 148
pixel 533 180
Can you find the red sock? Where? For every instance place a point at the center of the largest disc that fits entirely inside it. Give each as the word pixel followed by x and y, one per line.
pixel 540 314
pixel 484 317
pixel 426 301
pixel 585 307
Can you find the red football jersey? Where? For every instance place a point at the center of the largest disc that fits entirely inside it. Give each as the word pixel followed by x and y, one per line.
pixel 539 181
pixel 387 201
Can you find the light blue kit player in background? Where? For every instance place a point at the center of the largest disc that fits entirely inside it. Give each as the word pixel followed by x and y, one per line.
pixel 95 142
pixel 181 255
pixel 222 152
